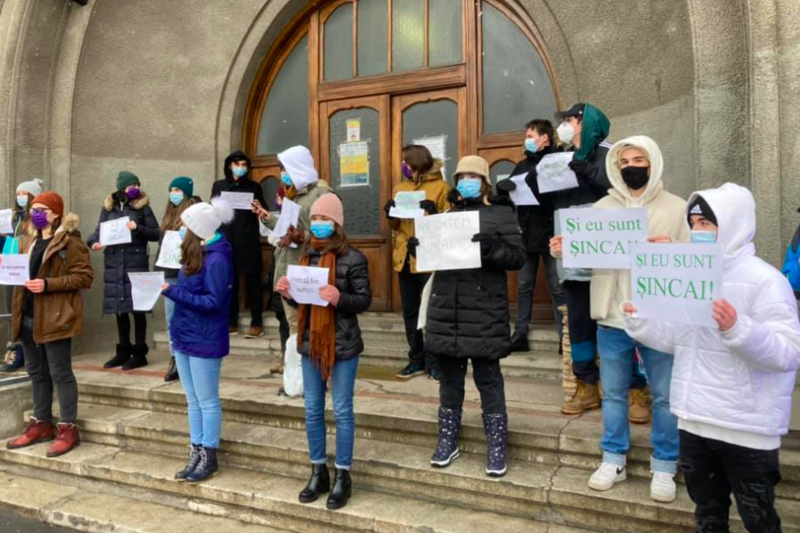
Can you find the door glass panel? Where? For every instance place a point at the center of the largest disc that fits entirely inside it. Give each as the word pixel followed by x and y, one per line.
pixel 284 122
pixel 270 186
pixel 444 38
pixel 408 34
pixel 372 37
pixel 500 168
pixel 338 56
pixel 355 169
pixel 434 124
pixel 516 85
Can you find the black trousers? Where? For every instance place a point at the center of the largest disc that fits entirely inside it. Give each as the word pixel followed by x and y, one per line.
pixel 256 294
pixel 488 378
pixel 582 331
pixel 411 286
pixel 124 327
pixel 713 469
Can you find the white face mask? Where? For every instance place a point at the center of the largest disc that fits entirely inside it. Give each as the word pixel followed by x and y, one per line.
pixel 565 132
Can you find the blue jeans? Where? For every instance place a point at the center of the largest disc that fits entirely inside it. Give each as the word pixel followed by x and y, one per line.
pixel 343 381
pixel 617 351
pixel 200 380
pixel 169 309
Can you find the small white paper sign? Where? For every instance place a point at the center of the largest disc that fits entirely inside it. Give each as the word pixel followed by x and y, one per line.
pixel 263 230
pixel 406 205
pixel 601 238
pixel 290 214
pixel 676 282
pixel 445 241
pixel 170 256
pixel 238 200
pixel 554 173
pixel 14 269
pixel 305 283
pixel 115 232
pixel 6 228
pixel 145 289
pixel 522 195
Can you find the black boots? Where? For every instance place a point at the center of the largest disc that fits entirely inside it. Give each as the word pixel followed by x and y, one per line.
pixel 496 428
pixel 206 466
pixel 519 342
pixel 320 483
pixel 447 450
pixel 124 352
pixel 342 487
pixel 138 359
pixel 194 458
pixel 172 371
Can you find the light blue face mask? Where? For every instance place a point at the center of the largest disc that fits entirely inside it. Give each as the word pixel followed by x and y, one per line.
pixel 22 201
pixel 469 188
pixel 322 229
pixel 704 237
pixel 176 198
pixel 239 172
pixel 286 179
pixel 530 146
pixel 182 232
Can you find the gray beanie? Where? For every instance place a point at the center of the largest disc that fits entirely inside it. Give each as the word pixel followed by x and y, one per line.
pixel 33 187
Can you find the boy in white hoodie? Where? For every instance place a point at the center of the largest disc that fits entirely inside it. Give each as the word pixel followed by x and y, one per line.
pixel 732 385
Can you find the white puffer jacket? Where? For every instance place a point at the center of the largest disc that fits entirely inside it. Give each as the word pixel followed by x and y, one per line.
pixel 741 380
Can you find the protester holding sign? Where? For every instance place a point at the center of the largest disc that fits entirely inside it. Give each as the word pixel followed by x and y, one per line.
pixel 329 340
pixel 468 319
pixel 47 313
pixel 420 172
pixel 129 201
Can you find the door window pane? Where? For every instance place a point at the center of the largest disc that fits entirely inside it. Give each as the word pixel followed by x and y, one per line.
pixel 444 39
pixel 338 56
pixel 408 34
pixel 360 191
pixel 500 169
pixel 372 37
pixel 285 119
pixel 270 186
pixel 430 123
pixel 516 85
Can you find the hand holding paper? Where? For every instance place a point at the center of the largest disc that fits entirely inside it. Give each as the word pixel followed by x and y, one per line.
pixel 305 284
pixel 330 294
pixel 146 287
pixel 36 286
pixel 725 315
pixel 115 232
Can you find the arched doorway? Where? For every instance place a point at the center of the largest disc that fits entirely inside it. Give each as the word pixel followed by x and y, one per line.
pixel 356 80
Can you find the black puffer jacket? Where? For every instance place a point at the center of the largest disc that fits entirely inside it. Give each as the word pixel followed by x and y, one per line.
pixel 591 188
pixel 352 280
pixel 468 310
pixel 536 221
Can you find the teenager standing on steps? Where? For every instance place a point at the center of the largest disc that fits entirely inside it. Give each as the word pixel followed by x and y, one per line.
pixel 329 340
pixel 199 329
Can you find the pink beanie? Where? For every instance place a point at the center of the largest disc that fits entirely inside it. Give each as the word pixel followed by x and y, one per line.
pixel 329 205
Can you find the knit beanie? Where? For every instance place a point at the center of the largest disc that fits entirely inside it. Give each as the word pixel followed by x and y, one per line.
pixel 329 205
pixel 204 219
pixel 126 179
pixel 33 187
pixel 185 184
pixel 700 207
pixel 52 200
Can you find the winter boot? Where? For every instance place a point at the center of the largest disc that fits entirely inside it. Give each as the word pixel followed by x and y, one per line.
pixel 68 439
pixel 124 352
pixel 342 487
pixel 586 397
pixel 320 483
pixel 139 358
pixel 496 428
pixel 15 358
pixel 172 371
pixel 639 406
pixel 447 449
pixel 519 342
pixel 37 431
pixel 194 458
pixel 206 466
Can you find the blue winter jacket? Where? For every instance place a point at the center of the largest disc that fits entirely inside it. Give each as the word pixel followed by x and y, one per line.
pixel 199 326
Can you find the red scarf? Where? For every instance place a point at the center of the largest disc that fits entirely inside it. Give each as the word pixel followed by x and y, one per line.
pixel 323 319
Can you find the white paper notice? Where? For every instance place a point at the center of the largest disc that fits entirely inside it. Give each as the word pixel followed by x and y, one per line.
pixel 554 173
pixel 305 283
pixel 406 205
pixel 601 238
pixel 353 129
pixel 6 228
pixel 14 269
pixel 170 255
pixel 238 200
pixel 290 214
pixel 676 282
pixel 445 241
pixel 145 289
pixel 522 195
pixel 115 232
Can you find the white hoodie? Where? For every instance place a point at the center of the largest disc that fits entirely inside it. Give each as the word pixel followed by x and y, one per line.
pixel 736 386
pixel 299 164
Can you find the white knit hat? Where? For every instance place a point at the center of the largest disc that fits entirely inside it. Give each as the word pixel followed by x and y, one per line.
pixel 33 187
pixel 204 219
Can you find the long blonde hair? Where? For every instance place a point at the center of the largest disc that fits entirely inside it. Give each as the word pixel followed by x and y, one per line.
pixel 191 254
pixel 172 215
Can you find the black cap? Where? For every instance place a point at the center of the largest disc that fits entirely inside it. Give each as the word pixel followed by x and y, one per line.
pixel 700 207
pixel 574 111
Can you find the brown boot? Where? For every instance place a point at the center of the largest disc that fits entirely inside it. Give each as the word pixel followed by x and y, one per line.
pixel 639 406
pixel 277 369
pixel 254 332
pixel 68 438
pixel 37 431
pixel 587 397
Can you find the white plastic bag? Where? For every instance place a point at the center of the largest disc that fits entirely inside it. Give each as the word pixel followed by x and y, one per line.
pixel 422 320
pixel 292 369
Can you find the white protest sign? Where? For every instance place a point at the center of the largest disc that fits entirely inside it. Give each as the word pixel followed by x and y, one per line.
pixel 305 283
pixel 406 205
pixel 600 238
pixel 676 282
pixel 290 213
pixel 554 173
pixel 145 289
pixel 6 228
pixel 445 241
pixel 170 255
pixel 14 269
pixel 522 195
pixel 238 200
pixel 115 232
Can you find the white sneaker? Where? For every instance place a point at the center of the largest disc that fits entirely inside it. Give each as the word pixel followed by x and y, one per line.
pixel 606 476
pixel 662 487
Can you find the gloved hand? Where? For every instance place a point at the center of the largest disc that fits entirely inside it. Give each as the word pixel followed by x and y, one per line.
pixel 412 244
pixel 429 206
pixel 579 167
pixel 531 179
pixel 293 235
pixel 389 205
pixel 487 242
pixel 505 187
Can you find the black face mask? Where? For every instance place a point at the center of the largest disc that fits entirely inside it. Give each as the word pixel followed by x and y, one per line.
pixel 635 177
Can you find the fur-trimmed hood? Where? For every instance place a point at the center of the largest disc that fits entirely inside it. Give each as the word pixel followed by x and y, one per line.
pixel 142 201
pixel 69 224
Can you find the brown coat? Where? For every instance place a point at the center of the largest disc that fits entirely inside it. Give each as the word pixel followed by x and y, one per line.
pixel 57 312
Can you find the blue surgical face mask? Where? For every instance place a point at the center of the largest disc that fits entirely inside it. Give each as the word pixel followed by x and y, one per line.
pixel 22 201
pixel 530 146
pixel 176 198
pixel 286 179
pixel 704 237
pixel 322 229
pixel 182 232
pixel 469 188
pixel 239 172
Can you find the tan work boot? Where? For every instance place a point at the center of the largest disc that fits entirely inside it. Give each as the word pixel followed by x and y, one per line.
pixel 587 397
pixel 639 406
pixel 277 369
pixel 254 332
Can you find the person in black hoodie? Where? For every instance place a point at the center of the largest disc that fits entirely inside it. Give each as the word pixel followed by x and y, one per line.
pixel 243 234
